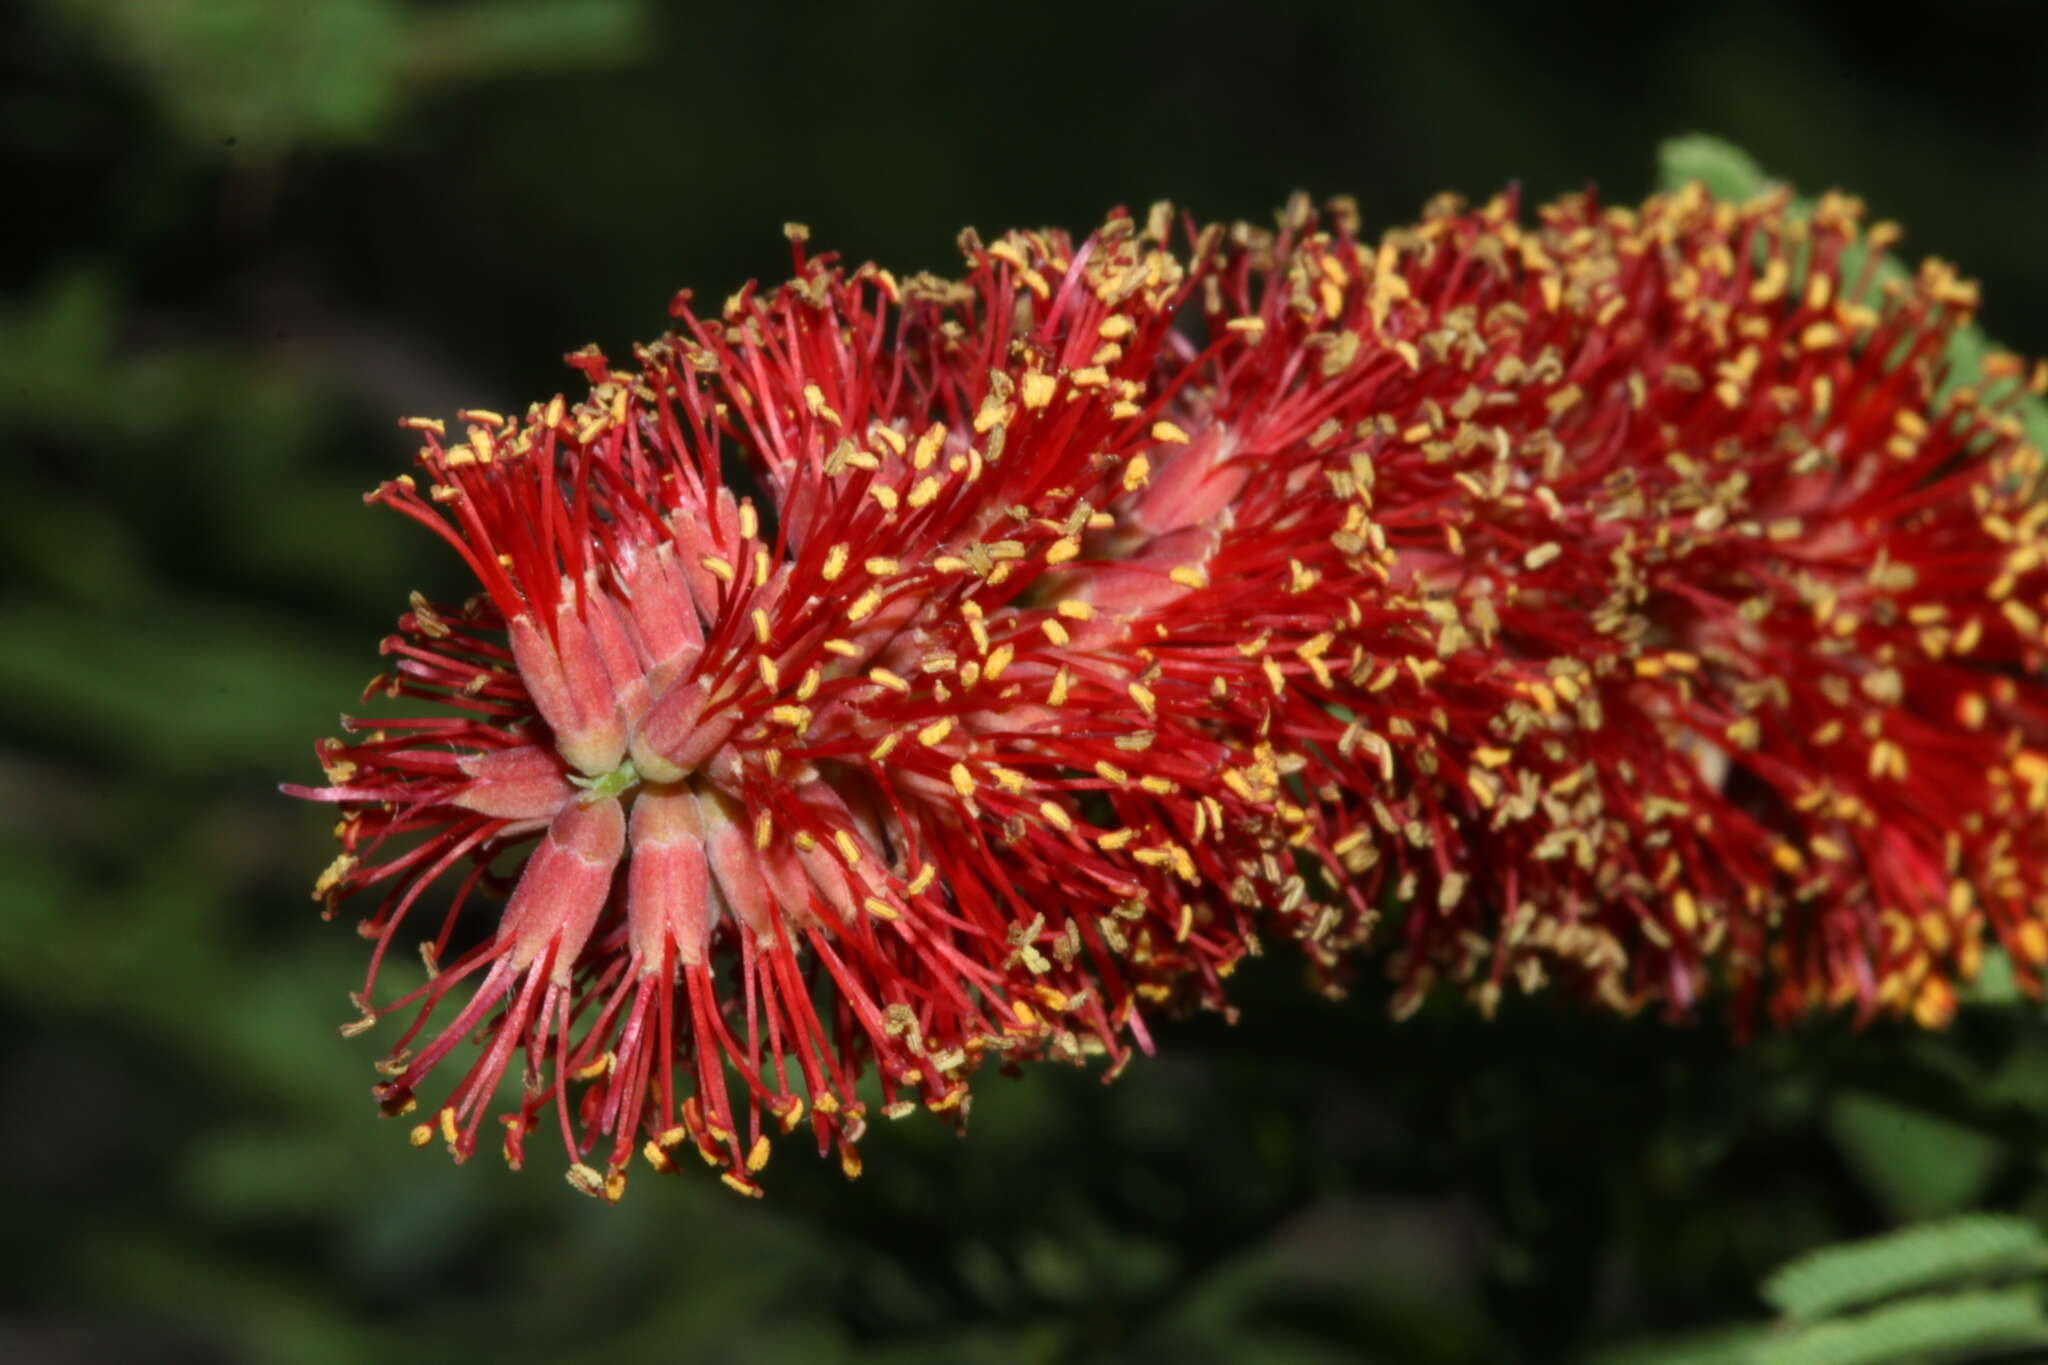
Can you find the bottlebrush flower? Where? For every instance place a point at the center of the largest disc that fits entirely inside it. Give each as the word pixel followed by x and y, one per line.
pixel 876 804
pixel 1616 599
pixel 1736 615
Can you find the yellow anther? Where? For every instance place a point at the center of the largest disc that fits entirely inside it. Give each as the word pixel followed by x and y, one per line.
pixel 1038 389
pixel 814 399
pixel 928 446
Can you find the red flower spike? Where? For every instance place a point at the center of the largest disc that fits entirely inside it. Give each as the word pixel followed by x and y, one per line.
pixel 854 828
pixel 1585 593
pixel 1730 612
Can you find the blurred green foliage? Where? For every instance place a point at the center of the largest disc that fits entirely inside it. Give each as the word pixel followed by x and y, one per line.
pixel 260 231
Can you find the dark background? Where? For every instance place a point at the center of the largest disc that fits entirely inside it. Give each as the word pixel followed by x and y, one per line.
pixel 250 235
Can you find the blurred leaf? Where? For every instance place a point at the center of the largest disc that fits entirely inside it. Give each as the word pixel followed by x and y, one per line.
pixel 1721 1346
pixel 263 74
pixel 1838 1277
pixel 1996 984
pixel 186 688
pixel 1920 1165
pixel 1980 1321
pixel 1727 170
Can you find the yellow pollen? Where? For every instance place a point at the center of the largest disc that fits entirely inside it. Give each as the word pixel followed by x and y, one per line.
pixel 814 399
pixel 1038 389
pixel 928 446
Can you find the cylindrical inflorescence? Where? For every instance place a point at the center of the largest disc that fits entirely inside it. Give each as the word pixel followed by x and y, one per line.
pixel 1632 599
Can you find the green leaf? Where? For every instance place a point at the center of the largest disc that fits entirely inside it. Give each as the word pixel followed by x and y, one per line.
pixel 1919 1164
pixel 266 75
pixel 1727 170
pixel 1838 1277
pixel 1910 1331
pixel 1719 1346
